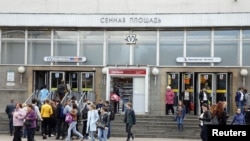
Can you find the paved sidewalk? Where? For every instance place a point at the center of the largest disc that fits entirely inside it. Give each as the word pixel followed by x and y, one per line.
pixel 5 137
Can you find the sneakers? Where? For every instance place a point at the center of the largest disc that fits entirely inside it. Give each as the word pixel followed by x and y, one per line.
pixel 133 136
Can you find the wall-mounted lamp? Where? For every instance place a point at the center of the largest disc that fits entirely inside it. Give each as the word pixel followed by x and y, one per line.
pixel 104 72
pixel 155 71
pixel 243 73
pixel 21 70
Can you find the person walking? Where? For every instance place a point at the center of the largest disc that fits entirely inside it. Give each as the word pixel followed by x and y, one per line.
pixel 18 117
pixel 93 117
pixel 9 111
pixel 180 115
pixel 85 117
pixel 203 97
pixel 43 94
pixel 169 100
pixel 46 112
pixel 205 119
pixel 239 118
pixel 60 118
pixel 130 120
pixel 72 125
pixel 186 98
pixel 31 116
pixel 104 119
pixel 61 89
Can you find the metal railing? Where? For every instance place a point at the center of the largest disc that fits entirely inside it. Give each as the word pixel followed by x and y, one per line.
pixel 80 102
pixel 33 95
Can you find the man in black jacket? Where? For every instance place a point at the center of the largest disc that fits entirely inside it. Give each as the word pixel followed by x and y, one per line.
pixel 9 110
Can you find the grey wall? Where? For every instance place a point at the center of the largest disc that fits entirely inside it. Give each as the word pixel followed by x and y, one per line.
pixel 124 6
pixel 18 92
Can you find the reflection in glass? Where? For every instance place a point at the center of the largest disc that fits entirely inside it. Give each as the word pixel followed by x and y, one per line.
pixel 199 34
pixel 245 52
pixel 221 87
pixel 226 34
pixel 56 78
pixel 65 34
pixel 223 49
pixel 37 50
pixel 12 52
pixel 39 34
pixel 87 81
pixel 118 53
pixel 13 34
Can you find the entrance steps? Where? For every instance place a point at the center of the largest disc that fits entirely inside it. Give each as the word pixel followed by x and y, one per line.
pixel 151 126
pixel 147 126
pixel 156 126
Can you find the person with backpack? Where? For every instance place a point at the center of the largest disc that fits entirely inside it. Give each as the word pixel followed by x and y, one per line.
pixel 60 120
pixel 85 117
pixel 61 89
pixel 111 114
pixel 43 94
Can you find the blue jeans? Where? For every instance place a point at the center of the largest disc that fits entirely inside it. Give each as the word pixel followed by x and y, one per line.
pixel 109 132
pixel 30 134
pixel 180 123
pixel 92 135
pixel 102 134
pixel 240 105
pixel 72 126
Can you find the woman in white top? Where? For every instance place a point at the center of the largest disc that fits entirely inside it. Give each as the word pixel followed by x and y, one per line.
pixel 91 122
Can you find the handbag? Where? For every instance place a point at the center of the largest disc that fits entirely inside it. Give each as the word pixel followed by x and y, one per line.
pixel 68 118
pixel 27 123
pixel 99 124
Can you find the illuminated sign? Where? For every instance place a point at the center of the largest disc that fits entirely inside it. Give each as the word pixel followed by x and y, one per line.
pixel 198 59
pixel 64 59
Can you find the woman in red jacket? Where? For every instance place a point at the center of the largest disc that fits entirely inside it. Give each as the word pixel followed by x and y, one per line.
pixel 169 100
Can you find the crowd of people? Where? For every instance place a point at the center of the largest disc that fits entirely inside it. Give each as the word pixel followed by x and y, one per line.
pixel 25 120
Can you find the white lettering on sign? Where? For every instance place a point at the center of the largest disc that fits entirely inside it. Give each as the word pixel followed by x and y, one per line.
pixel 130 20
pixel 198 59
pixel 64 59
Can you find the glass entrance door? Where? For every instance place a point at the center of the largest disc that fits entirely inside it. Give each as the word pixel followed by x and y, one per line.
pixel 205 80
pixel 88 81
pixel 221 87
pixel 174 82
pixel 55 79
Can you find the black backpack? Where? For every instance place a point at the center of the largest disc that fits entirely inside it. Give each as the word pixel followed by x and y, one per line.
pixel 112 115
pixel 61 89
pixel 85 112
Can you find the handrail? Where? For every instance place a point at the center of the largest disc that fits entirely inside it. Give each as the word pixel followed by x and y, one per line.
pixel 65 97
pixel 31 96
pixel 81 103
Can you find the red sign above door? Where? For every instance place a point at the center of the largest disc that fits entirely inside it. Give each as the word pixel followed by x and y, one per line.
pixel 127 71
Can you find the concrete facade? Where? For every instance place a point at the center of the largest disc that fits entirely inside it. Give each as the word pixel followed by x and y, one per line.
pixel 20 91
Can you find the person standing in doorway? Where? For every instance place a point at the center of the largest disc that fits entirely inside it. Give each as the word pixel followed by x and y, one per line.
pixel 186 98
pixel 203 97
pixel 130 120
pixel 169 100
pixel 9 111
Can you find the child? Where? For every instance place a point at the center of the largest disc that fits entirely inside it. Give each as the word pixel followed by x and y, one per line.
pixel 180 115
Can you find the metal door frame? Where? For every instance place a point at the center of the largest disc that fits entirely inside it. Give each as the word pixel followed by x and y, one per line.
pixel 93 88
pixel 212 94
pixel 50 79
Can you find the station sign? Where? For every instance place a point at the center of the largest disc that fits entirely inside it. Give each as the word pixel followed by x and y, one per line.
pixel 72 59
pixel 198 59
